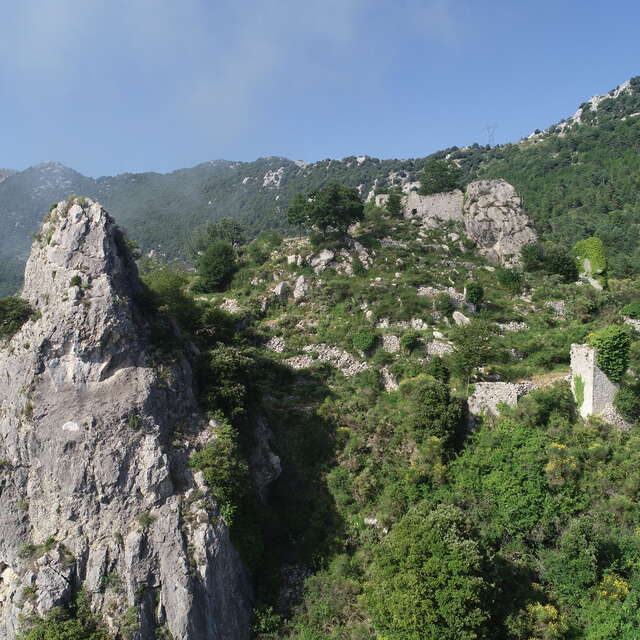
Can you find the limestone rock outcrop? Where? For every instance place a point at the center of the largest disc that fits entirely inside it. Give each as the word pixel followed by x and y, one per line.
pixel 490 211
pixel 495 221
pixel 93 494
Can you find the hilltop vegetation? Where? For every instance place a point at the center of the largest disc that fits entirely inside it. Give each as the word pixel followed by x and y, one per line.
pixel 406 522
pixel 577 179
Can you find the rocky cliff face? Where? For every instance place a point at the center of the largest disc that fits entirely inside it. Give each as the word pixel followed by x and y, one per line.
pixel 490 210
pixel 494 220
pixel 92 492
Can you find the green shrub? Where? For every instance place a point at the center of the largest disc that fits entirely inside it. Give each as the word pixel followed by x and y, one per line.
pixel 14 312
pixel 439 175
pixel 363 339
pixel 167 286
pixel 426 579
pixel 558 261
pixel 76 281
pixel 474 292
pixel 215 267
pixel 627 402
pixel 591 258
pixel 578 389
pixel 444 304
pixel 632 310
pixel 511 280
pixel 531 257
pixel 224 470
pixel 612 351
pixel 76 622
pixel 410 340
pixel 394 204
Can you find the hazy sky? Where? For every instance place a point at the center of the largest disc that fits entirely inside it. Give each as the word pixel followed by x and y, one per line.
pixel 108 86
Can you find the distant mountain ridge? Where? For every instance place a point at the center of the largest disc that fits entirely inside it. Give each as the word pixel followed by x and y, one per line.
pixel 160 211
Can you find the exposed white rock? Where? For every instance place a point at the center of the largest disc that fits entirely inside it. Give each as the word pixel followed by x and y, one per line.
pixel 633 323
pixel 391 343
pixel 336 357
pixel 320 261
pixel 439 348
pixel 281 290
pixel 301 288
pixel 460 319
pixel 230 305
pixel 276 344
pixel 557 307
pixel 495 221
pixel 507 327
pixel 389 381
pixel 86 418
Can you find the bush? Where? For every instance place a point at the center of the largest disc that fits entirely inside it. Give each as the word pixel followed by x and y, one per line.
pixel 410 340
pixel 216 266
pixel 627 402
pixel 509 279
pixel 166 286
pixel 632 310
pixel 474 292
pixel 394 204
pixel 612 351
pixel 558 261
pixel 76 622
pixel 531 257
pixel 426 579
pixel 14 312
pixel 444 304
pixel 224 470
pixel 334 206
pixel 590 258
pixel 439 176
pixel 363 339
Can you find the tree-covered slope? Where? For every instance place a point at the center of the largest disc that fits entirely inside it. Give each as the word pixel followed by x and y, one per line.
pixel 578 178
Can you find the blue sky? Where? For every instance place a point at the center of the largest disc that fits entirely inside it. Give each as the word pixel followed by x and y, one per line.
pixel 108 86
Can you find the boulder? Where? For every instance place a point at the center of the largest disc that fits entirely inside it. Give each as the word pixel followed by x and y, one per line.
pixel 301 288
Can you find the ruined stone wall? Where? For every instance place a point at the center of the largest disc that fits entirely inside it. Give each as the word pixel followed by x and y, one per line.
pixel 598 392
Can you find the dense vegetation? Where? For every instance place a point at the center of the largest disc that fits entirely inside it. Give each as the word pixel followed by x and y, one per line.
pixel 397 516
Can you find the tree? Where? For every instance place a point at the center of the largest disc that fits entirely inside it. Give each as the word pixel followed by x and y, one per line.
pixel 472 347
pixel 334 206
pixel 439 176
pixel 394 203
pixel 216 265
pixel 426 581
pixel 474 292
pixel 226 230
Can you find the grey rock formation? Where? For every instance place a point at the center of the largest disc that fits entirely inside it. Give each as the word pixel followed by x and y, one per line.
pixel 495 221
pixel 321 261
pixel 460 319
pixel 301 288
pixel 92 493
pixel 490 211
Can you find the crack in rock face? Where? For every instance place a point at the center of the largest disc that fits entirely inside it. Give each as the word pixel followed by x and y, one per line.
pixel 91 489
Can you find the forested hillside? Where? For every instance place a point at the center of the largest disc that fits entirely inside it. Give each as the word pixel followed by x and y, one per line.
pixel 577 179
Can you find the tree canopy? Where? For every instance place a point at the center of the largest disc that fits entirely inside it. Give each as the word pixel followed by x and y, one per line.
pixel 334 206
pixel 439 176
